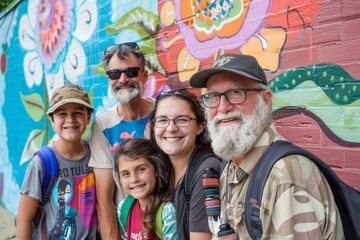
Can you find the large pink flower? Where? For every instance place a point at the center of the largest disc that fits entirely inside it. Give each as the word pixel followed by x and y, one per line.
pixel 54 19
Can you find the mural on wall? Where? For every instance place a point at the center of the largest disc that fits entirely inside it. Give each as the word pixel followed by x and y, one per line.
pixel 238 26
pixel 62 42
pixel 53 40
pixel 51 35
pixel 7 186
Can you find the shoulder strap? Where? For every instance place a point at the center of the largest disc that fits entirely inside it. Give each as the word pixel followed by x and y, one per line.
pixel 159 221
pixel 222 166
pixel 256 186
pixel 347 198
pixel 50 168
pixel 125 209
pixel 195 161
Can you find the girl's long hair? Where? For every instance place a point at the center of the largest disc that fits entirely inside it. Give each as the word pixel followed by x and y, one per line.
pixel 136 148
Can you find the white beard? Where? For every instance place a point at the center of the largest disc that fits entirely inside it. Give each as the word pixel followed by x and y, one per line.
pixel 237 139
pixel 126 96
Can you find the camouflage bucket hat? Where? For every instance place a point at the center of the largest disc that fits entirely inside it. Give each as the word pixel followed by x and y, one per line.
pixel 69 94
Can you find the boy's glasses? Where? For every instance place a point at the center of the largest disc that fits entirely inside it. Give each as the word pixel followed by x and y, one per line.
pixel 130 72
pixel 180 121
pixel 113 48
pixel 233 96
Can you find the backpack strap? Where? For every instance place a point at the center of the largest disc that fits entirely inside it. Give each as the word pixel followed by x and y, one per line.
pixel 347 198
pixel 50 169
pixel 159 221
pixel 256 186
pixel 340 190
pixel 196 160
pixel 125 209
pixel 222 166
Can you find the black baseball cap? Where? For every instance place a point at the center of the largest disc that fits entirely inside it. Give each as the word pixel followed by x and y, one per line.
pixel 243 65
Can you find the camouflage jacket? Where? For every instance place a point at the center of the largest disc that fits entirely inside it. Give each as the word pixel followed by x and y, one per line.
pixel 297 202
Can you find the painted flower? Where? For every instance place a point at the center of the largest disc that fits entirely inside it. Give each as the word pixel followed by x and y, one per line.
pixel 52 33
pixel 219 20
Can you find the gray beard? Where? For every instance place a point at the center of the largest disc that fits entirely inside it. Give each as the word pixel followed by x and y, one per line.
pixel 124 96
pixel 237 139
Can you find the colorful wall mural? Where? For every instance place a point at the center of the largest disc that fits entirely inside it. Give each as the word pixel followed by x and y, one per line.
pixel 310 50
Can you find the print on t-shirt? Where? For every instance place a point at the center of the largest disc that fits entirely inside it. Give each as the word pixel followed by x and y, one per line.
pixel 74 198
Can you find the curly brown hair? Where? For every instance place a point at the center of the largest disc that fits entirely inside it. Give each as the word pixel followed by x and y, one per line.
pixel 136 148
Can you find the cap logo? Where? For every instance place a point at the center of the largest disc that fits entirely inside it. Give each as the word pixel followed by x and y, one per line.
pixel 222 61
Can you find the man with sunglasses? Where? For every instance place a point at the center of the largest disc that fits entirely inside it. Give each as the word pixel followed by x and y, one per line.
pixel 125 67
pixel 297 202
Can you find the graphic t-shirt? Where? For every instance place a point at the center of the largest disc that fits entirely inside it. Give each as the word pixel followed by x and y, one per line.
pixel 134 223
pixel 107 132
pixel 71 210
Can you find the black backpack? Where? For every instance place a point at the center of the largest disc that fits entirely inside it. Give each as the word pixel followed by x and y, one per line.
pixel 346 197
pixel 183 192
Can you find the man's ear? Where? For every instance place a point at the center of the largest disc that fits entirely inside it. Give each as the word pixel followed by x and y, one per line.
pixel 268 98
pixel 146 74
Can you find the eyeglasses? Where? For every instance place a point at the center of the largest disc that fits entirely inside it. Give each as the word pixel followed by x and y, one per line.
pixel 113 48
pixel 130 72
pixel 180 121
pixel 233 96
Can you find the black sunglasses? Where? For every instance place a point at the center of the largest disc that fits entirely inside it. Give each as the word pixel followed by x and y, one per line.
pixel 113 48
pixel 130 72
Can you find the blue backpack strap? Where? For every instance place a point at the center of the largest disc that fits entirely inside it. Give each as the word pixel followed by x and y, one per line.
pixel 125 209
pixel 50 168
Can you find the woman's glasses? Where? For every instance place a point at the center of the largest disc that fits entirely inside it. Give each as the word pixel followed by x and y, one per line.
pixel 180 121
pixel 130 72
pixel 113 48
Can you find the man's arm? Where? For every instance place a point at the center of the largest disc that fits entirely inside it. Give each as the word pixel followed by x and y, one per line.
pixel 105 190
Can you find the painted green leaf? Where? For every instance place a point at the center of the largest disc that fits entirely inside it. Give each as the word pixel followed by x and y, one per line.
pixel 144 22
pixel 34 106
pixel 33 143
pixel 99 69
pixel 327 91
pixel 86 134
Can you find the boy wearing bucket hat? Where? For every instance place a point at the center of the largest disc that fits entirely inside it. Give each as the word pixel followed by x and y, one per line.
pixel 70 212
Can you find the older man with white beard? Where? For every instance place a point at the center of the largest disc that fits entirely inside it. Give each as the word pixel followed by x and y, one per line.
pixel 297 202
pixel 125 67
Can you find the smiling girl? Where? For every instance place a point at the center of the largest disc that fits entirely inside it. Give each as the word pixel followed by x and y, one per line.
pixel 147 175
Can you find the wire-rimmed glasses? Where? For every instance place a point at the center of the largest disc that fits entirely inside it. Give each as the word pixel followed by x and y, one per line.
pixel 233 96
